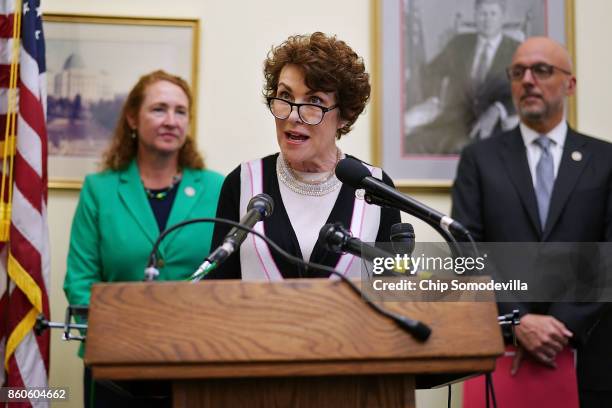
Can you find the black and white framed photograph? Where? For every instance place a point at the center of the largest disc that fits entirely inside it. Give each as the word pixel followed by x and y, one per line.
pixel 442 80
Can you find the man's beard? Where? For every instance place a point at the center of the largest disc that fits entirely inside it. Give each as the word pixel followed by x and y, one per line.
pixel 534 116
pixel 540 114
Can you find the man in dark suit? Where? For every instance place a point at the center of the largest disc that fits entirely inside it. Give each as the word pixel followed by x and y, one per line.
pixel 467 86
pixel 545 182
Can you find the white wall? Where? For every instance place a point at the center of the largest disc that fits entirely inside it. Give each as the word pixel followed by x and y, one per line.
pixel 594 58
pixel 233 124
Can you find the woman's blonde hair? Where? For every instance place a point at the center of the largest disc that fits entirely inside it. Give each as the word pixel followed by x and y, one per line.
pixel 123 147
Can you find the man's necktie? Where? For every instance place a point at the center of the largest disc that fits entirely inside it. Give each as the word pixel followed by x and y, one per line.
pixel 481 68
pixel 545 178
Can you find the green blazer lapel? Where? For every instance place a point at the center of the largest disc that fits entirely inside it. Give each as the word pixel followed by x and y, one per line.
pixel 188 194
pixel 132 196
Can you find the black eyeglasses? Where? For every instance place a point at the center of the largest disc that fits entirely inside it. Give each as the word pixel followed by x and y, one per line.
pixel 308 113
pixel 540 71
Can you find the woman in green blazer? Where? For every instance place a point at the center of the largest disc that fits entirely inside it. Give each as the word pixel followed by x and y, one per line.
pixel 153 177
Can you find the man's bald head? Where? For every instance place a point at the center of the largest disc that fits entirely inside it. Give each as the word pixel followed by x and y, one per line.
pixel 547 79
pixel 546 48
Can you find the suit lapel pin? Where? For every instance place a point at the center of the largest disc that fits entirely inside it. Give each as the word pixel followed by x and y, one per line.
pixel 189 191
pixel 360 193
pixel 576 156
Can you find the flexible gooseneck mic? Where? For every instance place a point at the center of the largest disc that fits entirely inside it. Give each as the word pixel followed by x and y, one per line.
pixel 403 238
pixel 356 175
pixel 338 239
pixel 422 331
pixel 259 207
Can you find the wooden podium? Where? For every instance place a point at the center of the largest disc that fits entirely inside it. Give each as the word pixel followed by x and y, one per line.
pixel 296 343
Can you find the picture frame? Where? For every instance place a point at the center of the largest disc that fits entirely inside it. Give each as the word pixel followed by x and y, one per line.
pixel 413 134
pixel 92 63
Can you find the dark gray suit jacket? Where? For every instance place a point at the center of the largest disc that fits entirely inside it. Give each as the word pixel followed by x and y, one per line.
pixel 464 101
pixel 493 196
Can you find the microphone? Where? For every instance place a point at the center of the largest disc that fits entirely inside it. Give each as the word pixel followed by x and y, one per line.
pixel 259 207
pixel 356 175
pixel 338 239
pixel 402 236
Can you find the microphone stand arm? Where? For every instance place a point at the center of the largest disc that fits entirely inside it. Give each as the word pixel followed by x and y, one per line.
pixel 43 324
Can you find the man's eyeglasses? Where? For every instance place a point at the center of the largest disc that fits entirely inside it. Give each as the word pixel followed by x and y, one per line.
pixel 540 71
pixel 309 113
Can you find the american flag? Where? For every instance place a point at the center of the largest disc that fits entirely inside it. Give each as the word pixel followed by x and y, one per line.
pixel 24 259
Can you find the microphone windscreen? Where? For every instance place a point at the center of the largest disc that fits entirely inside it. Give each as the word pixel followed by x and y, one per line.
pixel 325 231
pixel 332 236
pixel 263 202
pixel 401 229
pixel 351 172
pixel 402 238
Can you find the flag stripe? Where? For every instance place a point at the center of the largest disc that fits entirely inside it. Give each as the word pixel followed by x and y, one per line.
pixel 31 355
pixel 5 75
pixel 31 111
pixel 27 221
pixel 7 7
pixel 2 348
pixel 15 377
pixel 29 74
pixel 31 187
pixel 29 145
pixel 6 51
pixel 3 313
pixel 2 124
pixel 6 25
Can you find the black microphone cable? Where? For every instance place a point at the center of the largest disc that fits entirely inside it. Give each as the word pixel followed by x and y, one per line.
pixel 416 328
pixel 490 391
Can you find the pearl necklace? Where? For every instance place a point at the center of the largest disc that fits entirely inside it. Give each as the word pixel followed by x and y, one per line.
pixel 298 185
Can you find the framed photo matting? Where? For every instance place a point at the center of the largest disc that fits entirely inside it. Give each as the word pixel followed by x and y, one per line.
pixel 440 78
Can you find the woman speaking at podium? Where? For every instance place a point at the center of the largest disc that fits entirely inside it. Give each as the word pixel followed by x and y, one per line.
pixel 153 177
pixel 315 87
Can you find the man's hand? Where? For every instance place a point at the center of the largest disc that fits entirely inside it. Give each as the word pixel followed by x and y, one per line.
pixel 543 337
pixel 422 114
pixel 486 123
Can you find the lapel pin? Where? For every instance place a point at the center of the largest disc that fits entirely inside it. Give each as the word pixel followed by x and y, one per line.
pixel 576 156
pixel 360 193
pixel 189 191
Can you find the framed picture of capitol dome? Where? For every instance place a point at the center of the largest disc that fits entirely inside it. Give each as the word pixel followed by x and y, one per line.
pixel 92 63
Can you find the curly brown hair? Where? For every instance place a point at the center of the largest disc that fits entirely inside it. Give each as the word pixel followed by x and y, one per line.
pixel 123 147
pixel 329 65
